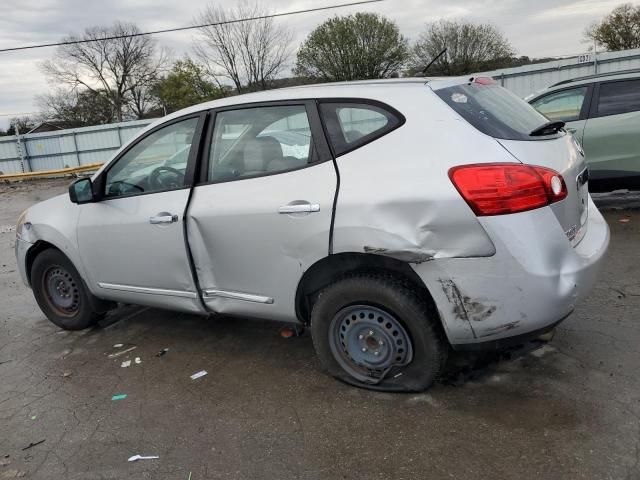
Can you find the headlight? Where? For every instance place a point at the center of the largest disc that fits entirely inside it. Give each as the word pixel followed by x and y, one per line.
pixel 22 226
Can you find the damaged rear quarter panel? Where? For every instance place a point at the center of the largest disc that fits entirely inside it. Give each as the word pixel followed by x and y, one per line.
pixel 397 200
pixel 395 195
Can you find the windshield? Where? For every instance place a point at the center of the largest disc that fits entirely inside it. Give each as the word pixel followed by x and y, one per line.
pixel 494 110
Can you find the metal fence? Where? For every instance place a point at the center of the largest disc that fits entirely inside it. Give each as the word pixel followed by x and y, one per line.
pixel 529 79
pixel 59 149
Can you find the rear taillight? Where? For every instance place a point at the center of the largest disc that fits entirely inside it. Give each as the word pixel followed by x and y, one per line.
pixel 501 188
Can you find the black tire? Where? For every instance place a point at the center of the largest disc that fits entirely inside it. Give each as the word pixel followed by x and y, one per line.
pixel 69 308
pixel 391 296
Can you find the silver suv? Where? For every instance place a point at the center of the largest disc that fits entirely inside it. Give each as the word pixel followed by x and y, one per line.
pixel 397 219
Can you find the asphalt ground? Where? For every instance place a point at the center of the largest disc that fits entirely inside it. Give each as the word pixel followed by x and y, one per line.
pixel 265 409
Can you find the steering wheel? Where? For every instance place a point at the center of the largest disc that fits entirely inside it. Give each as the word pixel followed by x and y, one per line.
pixel 157 181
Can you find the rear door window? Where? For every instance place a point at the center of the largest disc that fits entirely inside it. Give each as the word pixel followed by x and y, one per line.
pixel 256 141
pixel 565 105
pixel 351 125
pixel 493 110
pixel 619 97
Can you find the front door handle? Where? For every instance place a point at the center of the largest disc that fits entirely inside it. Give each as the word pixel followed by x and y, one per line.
pixel 571 130
pixel 163 218
pixel 300 208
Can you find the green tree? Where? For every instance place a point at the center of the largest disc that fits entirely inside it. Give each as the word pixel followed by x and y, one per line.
pixel 620 30
pixel 185 85
pixel 354 47
pixel 470 48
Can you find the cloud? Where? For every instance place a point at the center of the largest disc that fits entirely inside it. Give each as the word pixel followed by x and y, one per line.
pixel 540 28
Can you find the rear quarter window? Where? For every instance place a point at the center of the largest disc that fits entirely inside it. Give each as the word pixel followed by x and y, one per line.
pixel 493 110
pixel 353 124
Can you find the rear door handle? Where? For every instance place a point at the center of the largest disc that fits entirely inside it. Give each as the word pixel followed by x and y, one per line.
pixel 300 208
pixel 163 218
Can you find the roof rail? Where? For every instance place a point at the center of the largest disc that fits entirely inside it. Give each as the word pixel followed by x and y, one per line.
pixel 597 75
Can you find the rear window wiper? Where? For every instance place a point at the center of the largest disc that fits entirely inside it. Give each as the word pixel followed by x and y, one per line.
pixel 548 128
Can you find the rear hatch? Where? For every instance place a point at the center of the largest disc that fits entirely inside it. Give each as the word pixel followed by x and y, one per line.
pixel 529 138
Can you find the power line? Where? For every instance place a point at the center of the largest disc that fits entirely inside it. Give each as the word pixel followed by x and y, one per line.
pixel 167 30
pixel 18 114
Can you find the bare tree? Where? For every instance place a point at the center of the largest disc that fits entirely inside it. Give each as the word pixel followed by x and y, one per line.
pixel 620 30
pixel 118 67
pixel 470 48
pixel 20 124
pixel 249 53
pixel 73 108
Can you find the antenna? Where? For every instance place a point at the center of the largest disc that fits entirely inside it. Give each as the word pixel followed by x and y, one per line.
pixel 432 61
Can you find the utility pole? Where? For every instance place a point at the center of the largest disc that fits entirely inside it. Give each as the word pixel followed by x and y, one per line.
pixel 20 150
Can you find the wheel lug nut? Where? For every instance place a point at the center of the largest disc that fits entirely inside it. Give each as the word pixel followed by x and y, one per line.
pixel 364 349
pixel 376 353
pixel 381 343
pixel 360 337
pixel 370 332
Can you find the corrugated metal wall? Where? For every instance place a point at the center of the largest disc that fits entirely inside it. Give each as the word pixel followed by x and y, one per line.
pixel 65 148
pixel 529 79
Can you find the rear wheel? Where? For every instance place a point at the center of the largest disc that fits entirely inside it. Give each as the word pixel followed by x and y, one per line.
pixel 376 332
pixel 60 292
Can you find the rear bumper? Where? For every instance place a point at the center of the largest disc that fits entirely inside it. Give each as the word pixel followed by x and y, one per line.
pixel 533 281
pixel 21 249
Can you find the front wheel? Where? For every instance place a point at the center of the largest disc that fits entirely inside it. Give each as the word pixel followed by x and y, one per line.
pixel 376 332
pixel 60 292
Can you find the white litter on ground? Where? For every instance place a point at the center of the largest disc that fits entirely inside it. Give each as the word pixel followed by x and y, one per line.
pixel 199 374
pixel 117 354
pixel 126 363
pixel 138 361
pixel 135 458
pixel 542 351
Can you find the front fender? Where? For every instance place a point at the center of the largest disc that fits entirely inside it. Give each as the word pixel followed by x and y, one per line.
pixel 54 223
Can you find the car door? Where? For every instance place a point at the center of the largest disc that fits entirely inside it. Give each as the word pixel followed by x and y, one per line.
pixel 132 239
pixel 612 133
pixel 263 213
pixel 569 105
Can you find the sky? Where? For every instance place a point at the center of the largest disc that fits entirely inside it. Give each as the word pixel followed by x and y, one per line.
pixel 536 28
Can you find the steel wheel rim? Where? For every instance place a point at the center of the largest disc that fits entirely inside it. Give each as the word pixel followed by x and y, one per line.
pixel 367 342
pixel 61 291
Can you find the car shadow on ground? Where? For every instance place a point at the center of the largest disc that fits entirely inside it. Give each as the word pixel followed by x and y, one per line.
pixel 461 367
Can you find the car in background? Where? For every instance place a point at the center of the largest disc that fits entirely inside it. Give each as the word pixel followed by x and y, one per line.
pixel 603 114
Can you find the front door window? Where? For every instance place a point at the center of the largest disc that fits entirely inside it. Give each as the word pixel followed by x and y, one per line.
pixel 156 163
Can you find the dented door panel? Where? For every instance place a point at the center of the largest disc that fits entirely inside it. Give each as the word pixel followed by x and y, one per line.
pixel 241 244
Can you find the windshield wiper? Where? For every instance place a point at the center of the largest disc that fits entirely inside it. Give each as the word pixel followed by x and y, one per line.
pixel 548 128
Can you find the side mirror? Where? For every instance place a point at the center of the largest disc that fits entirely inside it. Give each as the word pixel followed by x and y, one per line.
pixel 81 191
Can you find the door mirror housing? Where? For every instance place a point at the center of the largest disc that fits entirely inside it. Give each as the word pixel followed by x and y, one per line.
pixel 81 191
